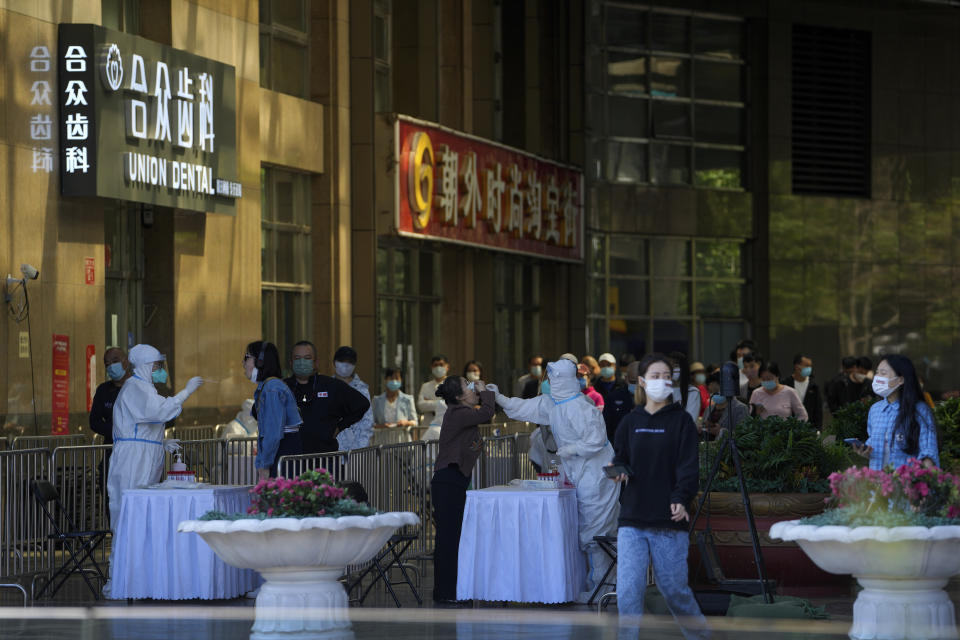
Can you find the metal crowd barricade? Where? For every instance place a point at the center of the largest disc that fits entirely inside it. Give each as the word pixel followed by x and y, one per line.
pixel 497 465
pixel 80 475
pixel 23 527
pixel 405 473
pixel 525 468
pixel 195 432
pixel 50 442
pixel 239 456
pixel 394 435
pixel 4 443
pixel 293 466
pixel 363 466
pixel 203 457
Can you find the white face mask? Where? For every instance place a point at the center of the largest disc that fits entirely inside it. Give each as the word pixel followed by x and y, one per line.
pixel 473 376
pixel 881 386
pixel 676 375
pixel 536 371
pixel 439 372
pixel 658 390
pixel 253 375
pixel 344 369
pixel 859 377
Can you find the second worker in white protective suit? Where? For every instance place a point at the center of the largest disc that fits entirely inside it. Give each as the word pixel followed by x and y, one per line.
pixel 584 450
pixel 139 416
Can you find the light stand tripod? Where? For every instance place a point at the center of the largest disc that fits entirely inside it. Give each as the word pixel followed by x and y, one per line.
pixel 729 385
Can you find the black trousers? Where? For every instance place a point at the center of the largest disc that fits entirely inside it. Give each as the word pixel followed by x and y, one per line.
pixel 448 494
pixel 289 446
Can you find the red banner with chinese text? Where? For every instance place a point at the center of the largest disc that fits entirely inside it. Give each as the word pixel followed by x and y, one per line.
pixel 454 187
pixel 60 407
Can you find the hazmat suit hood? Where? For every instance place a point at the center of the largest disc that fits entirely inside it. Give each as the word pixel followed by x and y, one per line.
pixel 141 358
pixel 563 380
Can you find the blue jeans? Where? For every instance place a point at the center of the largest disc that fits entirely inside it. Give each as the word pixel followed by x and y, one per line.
pixel 668 548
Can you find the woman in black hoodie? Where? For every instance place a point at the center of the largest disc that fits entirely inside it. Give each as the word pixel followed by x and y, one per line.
pixel 657 441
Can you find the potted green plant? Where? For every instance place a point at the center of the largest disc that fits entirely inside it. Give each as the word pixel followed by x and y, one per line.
pixel 786 464
pixel 850 421
pixel 896 532
pixel 947 416
pixel 299 534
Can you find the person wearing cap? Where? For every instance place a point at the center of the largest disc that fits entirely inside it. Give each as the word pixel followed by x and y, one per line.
pixel 698 377
pixel 617 399
pixel 139 416
pixel 101 407
pixel 357 435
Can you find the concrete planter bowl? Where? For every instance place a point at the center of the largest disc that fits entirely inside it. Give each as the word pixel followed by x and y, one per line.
pixel 300 560
pixel 902 570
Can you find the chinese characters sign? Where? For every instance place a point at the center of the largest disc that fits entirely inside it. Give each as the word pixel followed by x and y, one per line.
pixel 60 407
pixel 457 188
pixel 144 122
pixel 42 110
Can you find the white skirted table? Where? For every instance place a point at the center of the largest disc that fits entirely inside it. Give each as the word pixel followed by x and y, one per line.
pixel 520 545
pixel 151 560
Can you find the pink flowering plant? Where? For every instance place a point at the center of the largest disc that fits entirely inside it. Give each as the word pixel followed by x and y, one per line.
pixel 911 495
pixel 312 494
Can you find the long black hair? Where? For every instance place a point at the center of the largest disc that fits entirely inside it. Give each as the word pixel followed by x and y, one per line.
pixel 450 390
pixel 911 397
pixel 267 359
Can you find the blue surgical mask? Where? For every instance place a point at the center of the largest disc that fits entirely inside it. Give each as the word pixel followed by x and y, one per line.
pixel 607 372
pixel 740 363
pixel 717 398
pixel 470 385
pixel 545 387
pixel 394 385
pixel 116 371
pixel 583 383
pixel 806 371
pixel 632 388
pixel 159 376
pixel 303 367
pixel 700 378
pixel 769 385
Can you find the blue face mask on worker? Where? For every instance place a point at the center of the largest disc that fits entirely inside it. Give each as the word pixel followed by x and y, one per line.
pixel 545 387
pixel 769 385
pixel 583 383
pixel 159 376
pixel 394 385
pixel 116 371
pixel 607 372
pixel 806 371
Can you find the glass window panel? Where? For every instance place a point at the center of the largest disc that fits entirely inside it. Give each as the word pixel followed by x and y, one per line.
pixel 671 119
pixel 718 259
pixel 628 297
pixel 264 60
pixel 719 299
pixel 628 256
pixel 595 71
pixel 290 14
pixel 286 269
pixel 670 257
pixel 428 274
pixel 381 36
pixel 265 11
pixel 625 27
pixel 596 255
pixel 718 81
pixel 669 164
pixel 284 198
pixel 626 72
pixel 596 295
pixel 627 116
pixel 383 275
pixel 719 168
pixel 670 297
pixel 719 38
pixel 717 338
pixel 401 271
pixel 670 32
pixel 671 335
pixel 268 311
pixel 626 161
pixel 669 77
pixel 718 125
pixel 597 113
pixel 288 67
pixel 381 89
pixel 268 251
pixel 628 336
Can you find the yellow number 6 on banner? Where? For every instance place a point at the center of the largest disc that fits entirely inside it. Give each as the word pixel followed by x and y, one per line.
pixel 420 179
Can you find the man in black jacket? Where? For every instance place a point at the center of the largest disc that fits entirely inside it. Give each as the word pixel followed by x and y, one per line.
pixel 803 383
pixel 101 407
pixel 327 405
pixel 850 385
pixel 617 399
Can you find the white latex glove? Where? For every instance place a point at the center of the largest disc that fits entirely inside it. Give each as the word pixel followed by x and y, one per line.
pixel 567 451
pixel 492 387
pixel 500 398
pixel 171 444
pixel 193 384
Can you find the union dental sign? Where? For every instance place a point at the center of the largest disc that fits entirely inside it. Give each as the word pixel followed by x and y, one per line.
pixel 144 122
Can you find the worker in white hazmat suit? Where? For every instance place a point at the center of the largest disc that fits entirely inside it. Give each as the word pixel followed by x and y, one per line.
pixel 139 415
pixel 584 450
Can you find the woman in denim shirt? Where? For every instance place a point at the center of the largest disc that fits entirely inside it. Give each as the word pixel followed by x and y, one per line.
pixel 274 407
pixel 900 425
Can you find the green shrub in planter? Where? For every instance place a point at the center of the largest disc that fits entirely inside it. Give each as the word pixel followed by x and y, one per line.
pixel 778 455
pixel 947 417
pixel 850 421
